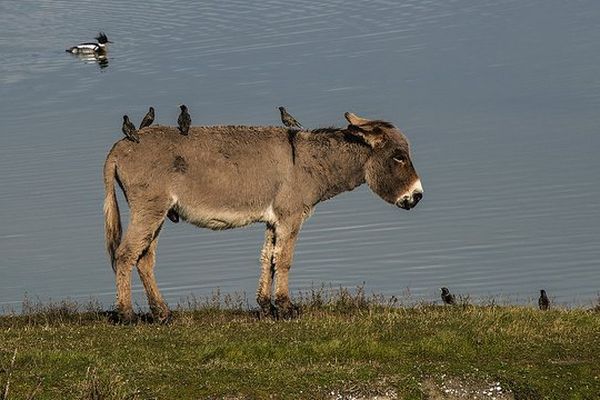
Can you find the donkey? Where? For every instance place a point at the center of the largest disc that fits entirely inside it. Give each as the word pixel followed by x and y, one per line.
pixel 224 177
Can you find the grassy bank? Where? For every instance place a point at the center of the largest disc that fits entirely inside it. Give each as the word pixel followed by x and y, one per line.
pixel 346 347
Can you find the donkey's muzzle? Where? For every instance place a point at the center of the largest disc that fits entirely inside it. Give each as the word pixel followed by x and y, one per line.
pixel 407 202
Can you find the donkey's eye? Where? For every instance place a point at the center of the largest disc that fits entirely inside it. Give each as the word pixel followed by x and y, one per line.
pixel 399 160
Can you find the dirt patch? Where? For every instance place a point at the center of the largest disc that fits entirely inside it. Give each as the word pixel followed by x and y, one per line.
pixel 447 388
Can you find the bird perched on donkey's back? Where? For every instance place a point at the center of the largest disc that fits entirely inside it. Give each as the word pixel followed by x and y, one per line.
pixel 148 118
pixel 129 130
pixel 288 120
pixel 184 121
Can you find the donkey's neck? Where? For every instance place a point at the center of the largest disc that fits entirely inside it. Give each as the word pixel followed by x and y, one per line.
pixel 333 161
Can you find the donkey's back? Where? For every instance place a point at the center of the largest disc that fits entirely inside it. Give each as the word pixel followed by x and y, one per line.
pixel 216 177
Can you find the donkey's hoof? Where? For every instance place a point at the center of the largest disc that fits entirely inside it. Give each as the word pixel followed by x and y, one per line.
pixel 122 318
pixel 260 314
pixel 286 310
pixel 160 314
pixel 164 318
pixel 267 309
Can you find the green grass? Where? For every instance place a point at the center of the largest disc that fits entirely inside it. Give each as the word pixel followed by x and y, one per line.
pixel 338 347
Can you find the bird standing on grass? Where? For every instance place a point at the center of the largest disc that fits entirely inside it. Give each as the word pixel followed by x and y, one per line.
pixel 447 297
pixel 148 118
pixel 288 120
pixel 129 130
pixel 543 301
pixel 184 121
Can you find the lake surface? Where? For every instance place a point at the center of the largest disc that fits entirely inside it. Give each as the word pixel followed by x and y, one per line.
pixel 500 100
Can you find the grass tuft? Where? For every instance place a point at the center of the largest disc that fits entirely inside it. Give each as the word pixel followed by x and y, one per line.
pixel 114 387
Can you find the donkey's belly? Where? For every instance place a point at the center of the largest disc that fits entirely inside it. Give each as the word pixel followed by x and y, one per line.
pixel 219 219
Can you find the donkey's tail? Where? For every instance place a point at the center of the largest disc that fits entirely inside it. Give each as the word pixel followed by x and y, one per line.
pixel 112 218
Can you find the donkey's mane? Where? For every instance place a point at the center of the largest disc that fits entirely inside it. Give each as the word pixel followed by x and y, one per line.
pixel 328 129
pixel 384 124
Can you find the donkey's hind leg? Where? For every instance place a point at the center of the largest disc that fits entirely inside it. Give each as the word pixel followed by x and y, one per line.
pixel 145 266
pixel 141 232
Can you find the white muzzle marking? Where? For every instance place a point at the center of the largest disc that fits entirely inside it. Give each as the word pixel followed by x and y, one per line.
pixel 416 187
pixel 411 197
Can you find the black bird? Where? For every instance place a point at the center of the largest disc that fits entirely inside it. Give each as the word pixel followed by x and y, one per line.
pixel 288 120
pixel 129 130
pixel 543 301
pixel 148 118
pixel 447 297
pixel 184 121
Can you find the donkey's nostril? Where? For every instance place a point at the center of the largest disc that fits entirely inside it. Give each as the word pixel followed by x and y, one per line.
pixel 403 203
pixel 417 196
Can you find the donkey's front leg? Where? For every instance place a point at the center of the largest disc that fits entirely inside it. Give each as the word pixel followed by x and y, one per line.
pixel 286 235
pixel 263 294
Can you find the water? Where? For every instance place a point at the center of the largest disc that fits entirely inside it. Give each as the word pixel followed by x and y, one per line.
pixel 499 99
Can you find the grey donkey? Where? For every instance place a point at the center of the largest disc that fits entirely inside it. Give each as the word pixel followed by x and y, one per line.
pixel 224 177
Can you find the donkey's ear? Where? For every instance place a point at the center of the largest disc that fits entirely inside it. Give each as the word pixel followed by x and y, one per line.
pixel 372 136
pixel 355 119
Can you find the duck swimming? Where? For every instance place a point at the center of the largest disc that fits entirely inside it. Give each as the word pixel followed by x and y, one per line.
pixel 99 48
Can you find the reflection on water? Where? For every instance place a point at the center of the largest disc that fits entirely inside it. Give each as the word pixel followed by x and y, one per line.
pixel 100 59
pixel 499 100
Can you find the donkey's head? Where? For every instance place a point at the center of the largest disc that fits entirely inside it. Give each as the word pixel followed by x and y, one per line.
pixel 389 171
